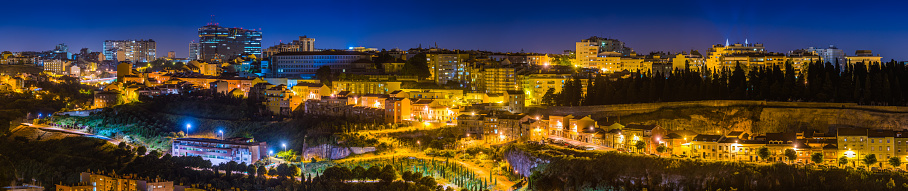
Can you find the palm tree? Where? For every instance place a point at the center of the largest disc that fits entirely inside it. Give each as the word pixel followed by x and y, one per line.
pixel 870 160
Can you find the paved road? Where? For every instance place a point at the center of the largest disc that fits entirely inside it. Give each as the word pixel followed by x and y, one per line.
pixel 70 131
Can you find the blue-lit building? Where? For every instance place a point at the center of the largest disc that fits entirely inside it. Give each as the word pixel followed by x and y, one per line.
pixel 304 64
pixel 218 43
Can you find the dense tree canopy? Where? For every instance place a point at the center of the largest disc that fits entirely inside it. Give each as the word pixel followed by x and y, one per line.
pixel 416 66
pixel 873 84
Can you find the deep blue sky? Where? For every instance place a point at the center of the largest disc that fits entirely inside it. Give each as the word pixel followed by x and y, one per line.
pixel 549 27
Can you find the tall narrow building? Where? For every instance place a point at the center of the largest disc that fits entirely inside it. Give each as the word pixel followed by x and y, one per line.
pixel 130 50
pixel 218 43
pixel 193 51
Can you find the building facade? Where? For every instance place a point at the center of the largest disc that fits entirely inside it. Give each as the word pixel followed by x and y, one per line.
pixel 218 43
pixel 601 53
pixel 193 51
pixel 445 67
pixel 130 50
pixel 221 151
pixel 304 44
pixel 500 79
pixel 304 64
pixel 832 54
pixel 59 67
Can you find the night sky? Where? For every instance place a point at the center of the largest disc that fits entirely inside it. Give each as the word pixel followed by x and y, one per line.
pixel 548 27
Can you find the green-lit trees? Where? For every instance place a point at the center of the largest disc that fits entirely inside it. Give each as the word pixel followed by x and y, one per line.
pixel 881 84
pixel 373 172
pixel 261 171
pixel 763 153
pixel 324 75
pixel 337 174
pixel 416 66
pixel 870 160
pixel 141 150
pixel 359 172
pixel 293 171
pixel 549 97
pixel 895 162
pixel 661 149
pixel 407 176
pixel 387 174
pixel 817 158
pixel 791 155
pixel 640 145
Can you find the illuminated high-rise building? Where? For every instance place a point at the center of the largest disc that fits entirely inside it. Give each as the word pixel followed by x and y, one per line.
pixel 500 77
pixel 447 66
pixel 130 50
pixel 218 43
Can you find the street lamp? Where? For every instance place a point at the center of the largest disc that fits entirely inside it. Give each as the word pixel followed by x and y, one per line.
pixel 221 133
pixel 284 145
pixel 187 129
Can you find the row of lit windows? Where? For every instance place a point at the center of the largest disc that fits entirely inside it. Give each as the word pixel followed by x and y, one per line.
pixel 320 57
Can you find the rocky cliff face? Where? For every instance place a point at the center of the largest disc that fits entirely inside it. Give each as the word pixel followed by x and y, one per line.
pixel 749 116
pixel 334 152
pixel 522 162
pixel 775 119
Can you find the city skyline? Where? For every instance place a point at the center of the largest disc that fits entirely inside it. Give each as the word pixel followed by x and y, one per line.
pixel 494 26
pixel 453 95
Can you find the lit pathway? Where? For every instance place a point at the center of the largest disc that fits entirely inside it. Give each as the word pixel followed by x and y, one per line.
pixel 70 131
pixel 503 182
pixel 402 129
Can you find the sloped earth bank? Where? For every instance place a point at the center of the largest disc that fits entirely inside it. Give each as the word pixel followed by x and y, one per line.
pixel 553 168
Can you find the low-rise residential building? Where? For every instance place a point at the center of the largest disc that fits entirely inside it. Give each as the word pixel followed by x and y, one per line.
pixel 471 123
pixel 397 109
pixel 706 146
pixel 535 86
pixel 281 101
pixel 58 67
pixel 220 151
pixel 103 99
pixel 651 135
pixel 93 182
pixel 366 87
